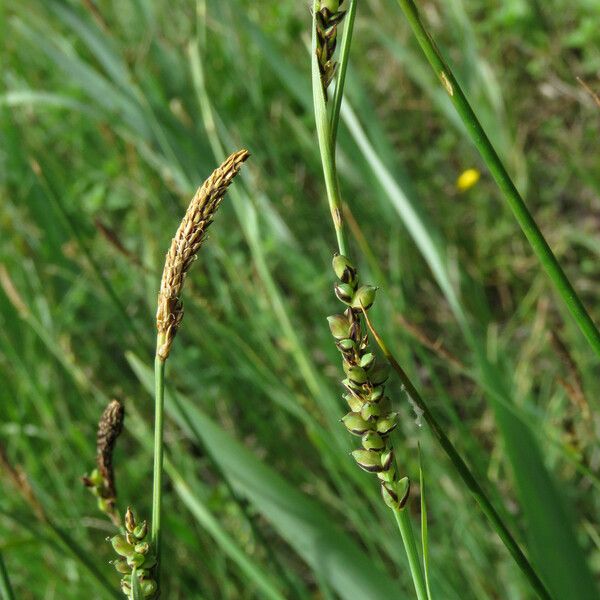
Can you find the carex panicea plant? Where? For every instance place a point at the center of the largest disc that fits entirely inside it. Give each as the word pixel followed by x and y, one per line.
pixel 370 415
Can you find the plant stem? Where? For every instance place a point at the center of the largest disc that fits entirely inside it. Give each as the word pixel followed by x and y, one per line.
pixel 515 201
pixel 414 562
pixel 343 66
pixel 464 471
pixel 6 591
pixel 326 143
pixel 159 404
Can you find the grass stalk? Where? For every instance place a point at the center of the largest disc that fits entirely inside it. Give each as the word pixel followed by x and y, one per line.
pixel 503 180
pixel 414 562
pixel 159 407
pixel 463 470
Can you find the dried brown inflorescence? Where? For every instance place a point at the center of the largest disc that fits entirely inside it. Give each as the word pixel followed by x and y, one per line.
pixel 185 245
pixel 102 479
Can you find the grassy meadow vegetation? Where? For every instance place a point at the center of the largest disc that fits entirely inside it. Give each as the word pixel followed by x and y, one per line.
pixel 113 113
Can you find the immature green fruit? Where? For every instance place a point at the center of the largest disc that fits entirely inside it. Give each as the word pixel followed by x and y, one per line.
pixel 373 441
pixel 387 424
pixel 344 270
pixel 370 411
pixel 387 459
pixel 368 460
pixel 339 326
pixel 148 587
pixel 379 374
pixel 149 562
pixel 344 292
pixel 121 566
pixel 389 475
pixel 141 530
pixel 357 375
pixel 367 360
pixel 395 494
pixel 121 545
pixel 376 394
pixel 364 297
pixel 346 345
pixel 354 402
pixel 355 424
pixel 351 386
pixel 332 6
pixel 142 548
pixel 136 560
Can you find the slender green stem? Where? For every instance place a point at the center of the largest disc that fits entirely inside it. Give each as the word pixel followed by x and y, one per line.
pixel 159 405
pixel 343 67
pixel 325 143
pixel 515 201
pixel 464 471
pixel 414 561
pixel 6 591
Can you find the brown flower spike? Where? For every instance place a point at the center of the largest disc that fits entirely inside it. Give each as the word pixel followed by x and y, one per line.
pixel 185 245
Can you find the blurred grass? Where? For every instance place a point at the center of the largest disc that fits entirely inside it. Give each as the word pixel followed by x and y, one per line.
pixel 103 122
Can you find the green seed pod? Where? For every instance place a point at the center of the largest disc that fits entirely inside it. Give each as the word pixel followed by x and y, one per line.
pixel 389 475
pixel 354 402
pixel 379 374
pixel 367 360
pixel 357 375
pixel 149 562
pixel 355 424
pixel 121 545
pixel 395 494
pixel 376 394
pixel 346 345
pixel 339 326
pixel 344 292
pixel 373 441
pixel 368 460
pixel 126 587
pixel 148 587
pixel 364 297
pixel 142 548
pixel 387 424
pixel 141 531
pixel 370 411
pixel 344 270
pixel 352 387
pixel 387 459
pixel 121 566
pixel 136 560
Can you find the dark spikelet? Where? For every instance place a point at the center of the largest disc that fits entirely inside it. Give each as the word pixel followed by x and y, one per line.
pixel 109 429
pixel 328 17
pixel 186 243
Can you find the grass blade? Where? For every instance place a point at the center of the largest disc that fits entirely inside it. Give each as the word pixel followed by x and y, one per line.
pixel 509 191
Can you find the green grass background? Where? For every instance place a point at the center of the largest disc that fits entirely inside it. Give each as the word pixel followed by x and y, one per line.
pixel 111 118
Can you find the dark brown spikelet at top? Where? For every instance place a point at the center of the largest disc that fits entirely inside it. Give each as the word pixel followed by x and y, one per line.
pixel 329 16
pixel 101 480
pixel 109 429
pixel 186 243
